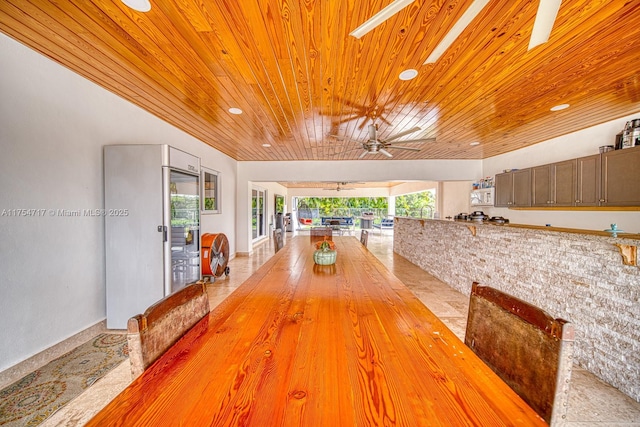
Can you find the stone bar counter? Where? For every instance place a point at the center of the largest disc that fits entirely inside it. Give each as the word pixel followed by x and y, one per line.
pixel 586 277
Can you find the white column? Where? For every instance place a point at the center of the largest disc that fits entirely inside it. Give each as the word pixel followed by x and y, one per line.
pixel 391 210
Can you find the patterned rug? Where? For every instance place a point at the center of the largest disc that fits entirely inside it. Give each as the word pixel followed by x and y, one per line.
pixel 32 399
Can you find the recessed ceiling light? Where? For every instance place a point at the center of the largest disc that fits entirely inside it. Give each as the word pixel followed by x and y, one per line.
pixel 408 74
pixel 455 31
pixel 559 107
pixel 139 5
pixel 266 145
pixel 235 110
pixel 475 143
pixel 377 19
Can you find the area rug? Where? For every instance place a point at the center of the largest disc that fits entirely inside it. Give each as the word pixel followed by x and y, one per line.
pixel 35 397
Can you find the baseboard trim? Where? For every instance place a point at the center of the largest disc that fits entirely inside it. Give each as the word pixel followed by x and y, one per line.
pixel 20 369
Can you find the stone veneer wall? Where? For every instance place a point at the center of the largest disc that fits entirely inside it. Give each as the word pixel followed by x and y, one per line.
pixel 577 277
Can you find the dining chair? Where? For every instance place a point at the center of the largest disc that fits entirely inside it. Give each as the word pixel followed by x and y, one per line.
pixel 530 350
pixel 364 237
pixel 335 225
pixel 320 233
pixel 277 239
pixel 150 334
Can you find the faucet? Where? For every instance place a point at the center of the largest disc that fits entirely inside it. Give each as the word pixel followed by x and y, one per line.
pixel 430 211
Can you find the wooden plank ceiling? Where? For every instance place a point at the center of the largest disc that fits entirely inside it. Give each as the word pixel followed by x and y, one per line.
pixel 299 77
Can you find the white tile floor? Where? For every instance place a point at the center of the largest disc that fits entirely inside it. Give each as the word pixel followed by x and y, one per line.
pixel 592 402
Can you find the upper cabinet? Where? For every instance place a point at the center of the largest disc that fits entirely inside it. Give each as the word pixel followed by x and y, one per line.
pixel 554 184
pixel 513 189
pixel 588 181
pixel 608 179
pixel 621 178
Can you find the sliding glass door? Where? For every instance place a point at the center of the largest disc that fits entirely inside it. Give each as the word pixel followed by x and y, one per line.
pixel 258 213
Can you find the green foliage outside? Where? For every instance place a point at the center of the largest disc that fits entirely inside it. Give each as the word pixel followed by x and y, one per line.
pixel 328 206
pixel 184 210
pixel 411 205
pixel 416 205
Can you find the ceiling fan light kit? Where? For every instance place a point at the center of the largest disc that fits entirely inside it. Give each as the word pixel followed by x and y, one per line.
pixel 380 17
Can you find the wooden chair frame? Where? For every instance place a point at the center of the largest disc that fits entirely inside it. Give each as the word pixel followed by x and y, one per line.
pixel 530 350
pixel 278 241
pixel 364 237
pixel 320 233
pixel 162 324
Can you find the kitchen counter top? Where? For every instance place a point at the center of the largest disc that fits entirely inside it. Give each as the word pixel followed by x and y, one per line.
pixel 620 235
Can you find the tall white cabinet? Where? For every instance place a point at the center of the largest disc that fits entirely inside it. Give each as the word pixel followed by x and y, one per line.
pixel 152 226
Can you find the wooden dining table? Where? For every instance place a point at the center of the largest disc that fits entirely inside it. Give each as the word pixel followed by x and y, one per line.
pixel 300 344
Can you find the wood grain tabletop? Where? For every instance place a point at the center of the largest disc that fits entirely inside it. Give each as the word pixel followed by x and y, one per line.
pixel 300 344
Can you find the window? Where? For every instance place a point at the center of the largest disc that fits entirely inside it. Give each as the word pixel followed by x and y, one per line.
pixel 210 191
pixel 258 214
pixel 279 204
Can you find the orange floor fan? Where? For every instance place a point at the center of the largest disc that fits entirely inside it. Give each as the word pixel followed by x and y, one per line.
pixel 215 255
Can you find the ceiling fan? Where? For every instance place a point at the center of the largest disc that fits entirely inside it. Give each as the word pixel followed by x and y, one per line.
pixel 340 187
pixel 375 145
pixel 542 26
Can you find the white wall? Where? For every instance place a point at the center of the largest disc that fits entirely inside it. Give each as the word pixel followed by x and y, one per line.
pixel 413 187
pixel 453 198
pixel 577 144
pixel 53 125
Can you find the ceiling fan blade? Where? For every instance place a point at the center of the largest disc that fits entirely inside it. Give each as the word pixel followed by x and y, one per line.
pixel 385 152
pixel 545 18
pixel 364 153
pixel 401 134
pixel 404 148
pixel 409 141
pixel 380 17
pixel 469 15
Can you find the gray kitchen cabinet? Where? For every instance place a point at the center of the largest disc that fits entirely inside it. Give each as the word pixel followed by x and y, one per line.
pixel 607 179
pixel 554 184
pixel 621 177
pixel 504 190
pixel 513 189
pixel 588 181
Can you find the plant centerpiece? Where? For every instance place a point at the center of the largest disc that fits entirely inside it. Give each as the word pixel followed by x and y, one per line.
pixel 325 253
